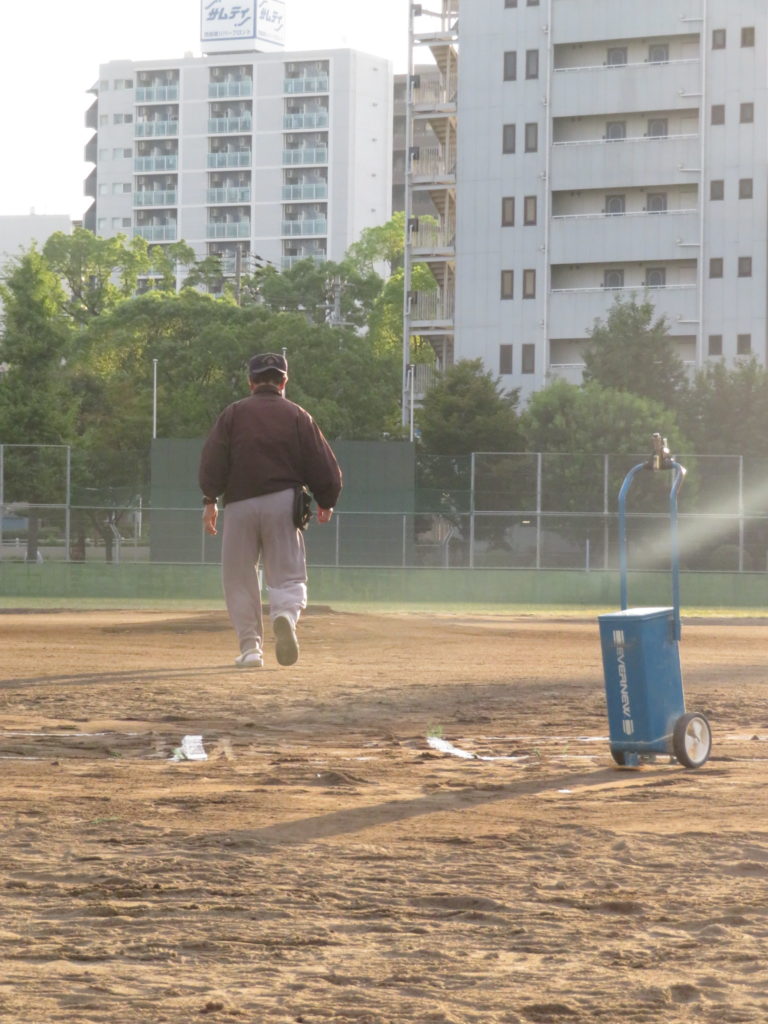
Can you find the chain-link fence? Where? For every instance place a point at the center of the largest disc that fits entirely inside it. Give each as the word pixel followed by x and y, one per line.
pixel 501 510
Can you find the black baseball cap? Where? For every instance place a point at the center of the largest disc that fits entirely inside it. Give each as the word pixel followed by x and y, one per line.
pixel 267 361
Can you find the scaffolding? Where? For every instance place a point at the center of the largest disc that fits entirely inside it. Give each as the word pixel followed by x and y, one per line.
pixel 432 171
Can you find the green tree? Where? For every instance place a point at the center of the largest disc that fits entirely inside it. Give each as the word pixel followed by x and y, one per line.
pixel 36 401
pixel 466 411
pixel 726 410
pixel 97 272
pixel 632 351
pixel 576 427
pixel 384 243
pixel 322 292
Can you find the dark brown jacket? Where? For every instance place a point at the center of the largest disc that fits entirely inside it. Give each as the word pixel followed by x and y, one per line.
pixel 266 443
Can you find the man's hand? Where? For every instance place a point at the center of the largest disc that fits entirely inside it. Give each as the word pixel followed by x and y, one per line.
pixel 210 515
pixel 324 514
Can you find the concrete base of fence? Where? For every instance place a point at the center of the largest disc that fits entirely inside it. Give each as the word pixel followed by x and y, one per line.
pixel 19 580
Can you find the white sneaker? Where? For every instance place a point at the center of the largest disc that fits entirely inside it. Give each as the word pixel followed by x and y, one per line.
pixel 249 659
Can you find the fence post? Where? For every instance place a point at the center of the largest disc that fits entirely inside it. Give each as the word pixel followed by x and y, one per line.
pixel 472 511
pixel 606 522
pixel 67 510
pixel 741 513
pixel 2 494
pixel 539 463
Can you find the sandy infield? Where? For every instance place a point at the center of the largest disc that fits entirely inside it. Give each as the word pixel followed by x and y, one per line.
pixel 325 866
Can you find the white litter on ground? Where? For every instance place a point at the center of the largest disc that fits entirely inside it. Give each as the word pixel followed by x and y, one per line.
pixel 448 748
pixel 191 749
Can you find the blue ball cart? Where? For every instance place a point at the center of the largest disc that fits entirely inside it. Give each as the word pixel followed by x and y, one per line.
pixel 641 656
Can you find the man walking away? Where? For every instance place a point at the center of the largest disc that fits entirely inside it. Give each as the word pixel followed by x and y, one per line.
pixel 259 452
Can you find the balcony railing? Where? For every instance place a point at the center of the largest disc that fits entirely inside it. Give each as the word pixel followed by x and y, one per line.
pixel 435 94
pixel 434 162
pixel 235 158
pixel 305 155
pixel 305 227
pixel 227 90
pixel 602 215
pixel 228 195
pixel 156 232
pixel 317 190
pixel 226 125
pixel 433 237
pixel 298 85
pixel 151 129
pixel 155 197
pixel 626 138
pixel 639 286
pixel 628 64
pixel 314 119
pixel 156 93
pixel 230 229
pixel 432 306
pixel 166 162
pixel 290 261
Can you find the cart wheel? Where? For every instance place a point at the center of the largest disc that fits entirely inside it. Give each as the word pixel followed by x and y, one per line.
pixel 618 757
pixel 692 740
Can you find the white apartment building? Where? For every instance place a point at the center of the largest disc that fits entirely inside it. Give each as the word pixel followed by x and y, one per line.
pixel 603 148
pixel 278 155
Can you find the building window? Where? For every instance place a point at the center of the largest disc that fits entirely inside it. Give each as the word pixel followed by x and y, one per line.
pixel 510 65
pixel 530 204
pixel 613 279
pixel 717 188
pixel 747 113
pixel 716 266
pixel 528 364
pixel 507 284
pixel 103 189
pixel 743 344
pixel 715 345
pixel 615 205
pixel 531 63
pixel 656 202
pixel 123 119
pixel 718 113
pixel 615 130
pixel 508 139
pixel 533 3
pixel 656 277
pixel 658 128
pixel 508 211
pixel 718 38
pixel 505 359
pixel 531 137
pixel 529 284
pixel 510 3
pixel 745 266
pixel 101 225
pixel 748 36
pixel 616 56
pixel 745 188
pixel 658 53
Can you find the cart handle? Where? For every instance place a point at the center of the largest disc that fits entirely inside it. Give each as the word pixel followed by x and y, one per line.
pixel 677 482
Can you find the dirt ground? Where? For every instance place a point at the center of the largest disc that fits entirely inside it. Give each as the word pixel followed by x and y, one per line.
pixel 326 866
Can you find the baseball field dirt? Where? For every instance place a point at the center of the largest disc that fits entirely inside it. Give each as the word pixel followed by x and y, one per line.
pixel 326 865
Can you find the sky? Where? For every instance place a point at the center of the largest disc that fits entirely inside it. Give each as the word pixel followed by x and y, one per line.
pixel 50 52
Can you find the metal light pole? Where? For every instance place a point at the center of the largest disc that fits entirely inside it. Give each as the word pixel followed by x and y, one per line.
pixel 154 399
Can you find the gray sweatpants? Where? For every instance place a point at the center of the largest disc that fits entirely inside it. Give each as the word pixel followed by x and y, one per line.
pixel 254 530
